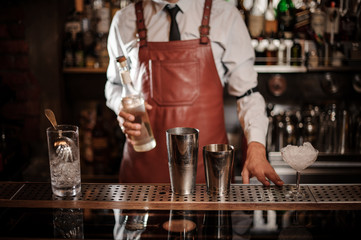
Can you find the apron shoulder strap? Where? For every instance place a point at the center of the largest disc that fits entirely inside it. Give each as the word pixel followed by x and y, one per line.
pixel 142 31
pixel 204 28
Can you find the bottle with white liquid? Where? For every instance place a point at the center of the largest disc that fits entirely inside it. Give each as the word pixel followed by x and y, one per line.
pixel 133 103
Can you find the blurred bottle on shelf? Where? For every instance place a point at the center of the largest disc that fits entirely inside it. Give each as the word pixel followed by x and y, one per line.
pixel 261 51
pixel 337 55
pixel 331 123
pixel 348 20
pixel 69 46
pixel 302 18
pixel 256 18
pixel 332 23
pixel 344 132
pixel 299 128
pixel 358 20
pixel 296 54
pixel 355 130
pixel 242 10
pixel 271 24
pixel 72 28
pixel 309 130
pixel 79 50
pixel 316 33
pixel 281 53
pixel 89 33
pixel 73 22
pixel 313 59
pixel 286 18
pixel 289 45
pixel 102 14
pixel 280 132
pixel 271 52
pixel 318 19
pixel 290 130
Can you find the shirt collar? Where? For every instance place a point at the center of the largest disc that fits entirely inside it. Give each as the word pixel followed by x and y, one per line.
pixel 182 4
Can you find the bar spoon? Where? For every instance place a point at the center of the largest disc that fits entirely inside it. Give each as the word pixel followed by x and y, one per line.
pixel 63 144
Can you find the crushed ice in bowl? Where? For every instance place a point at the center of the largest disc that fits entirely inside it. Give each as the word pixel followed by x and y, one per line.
pixel 299 157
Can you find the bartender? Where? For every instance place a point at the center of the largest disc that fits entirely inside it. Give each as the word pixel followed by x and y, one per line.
pixel 195 48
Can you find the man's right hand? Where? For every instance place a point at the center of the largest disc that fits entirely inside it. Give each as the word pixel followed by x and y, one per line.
pixel 126 123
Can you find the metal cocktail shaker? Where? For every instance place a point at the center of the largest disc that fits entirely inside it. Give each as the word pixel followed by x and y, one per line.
pixel 182 146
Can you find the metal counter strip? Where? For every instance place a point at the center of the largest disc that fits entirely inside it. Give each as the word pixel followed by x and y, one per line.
pixel 159 197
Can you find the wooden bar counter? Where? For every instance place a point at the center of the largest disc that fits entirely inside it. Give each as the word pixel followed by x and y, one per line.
pixel 151 211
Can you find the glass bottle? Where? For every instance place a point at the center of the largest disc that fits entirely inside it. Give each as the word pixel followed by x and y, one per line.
pixel 271 52
pixel 290 130
pixel 242 9
pixel 69 47
pixel 332 22
pixel 79 51
pixel 260 50
pixel 271 24
pixel 73 22
pixel 72 28
pixel 281 53
pixel 89 35
pixel 318 20
pixel 296 54
pixel 289 45
pixel 302 18
pixel 313 58
pixel 256 19
pixel 357 8
pixel 286 18
pixel 133 103
pixel 348 22
pixel 102 13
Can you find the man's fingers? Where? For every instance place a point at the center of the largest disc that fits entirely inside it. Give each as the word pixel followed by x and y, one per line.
pixel 132 129
pixel 275 178
pixel 245 177
pixel 126 116
pixel 148 106
pixel 264 181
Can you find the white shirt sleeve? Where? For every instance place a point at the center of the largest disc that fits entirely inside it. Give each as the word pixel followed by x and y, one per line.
pixel 117 46
pixel 238 59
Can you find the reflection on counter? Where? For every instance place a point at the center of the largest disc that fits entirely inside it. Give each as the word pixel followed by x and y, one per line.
pixel 170 224
pixel 68 223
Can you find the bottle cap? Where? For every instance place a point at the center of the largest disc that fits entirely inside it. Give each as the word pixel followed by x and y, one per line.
pixel 122 61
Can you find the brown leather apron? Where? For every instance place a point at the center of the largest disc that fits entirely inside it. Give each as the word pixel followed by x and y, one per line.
pixel 182 84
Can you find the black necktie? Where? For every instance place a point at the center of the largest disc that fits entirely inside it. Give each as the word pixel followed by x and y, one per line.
pixel 174 31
